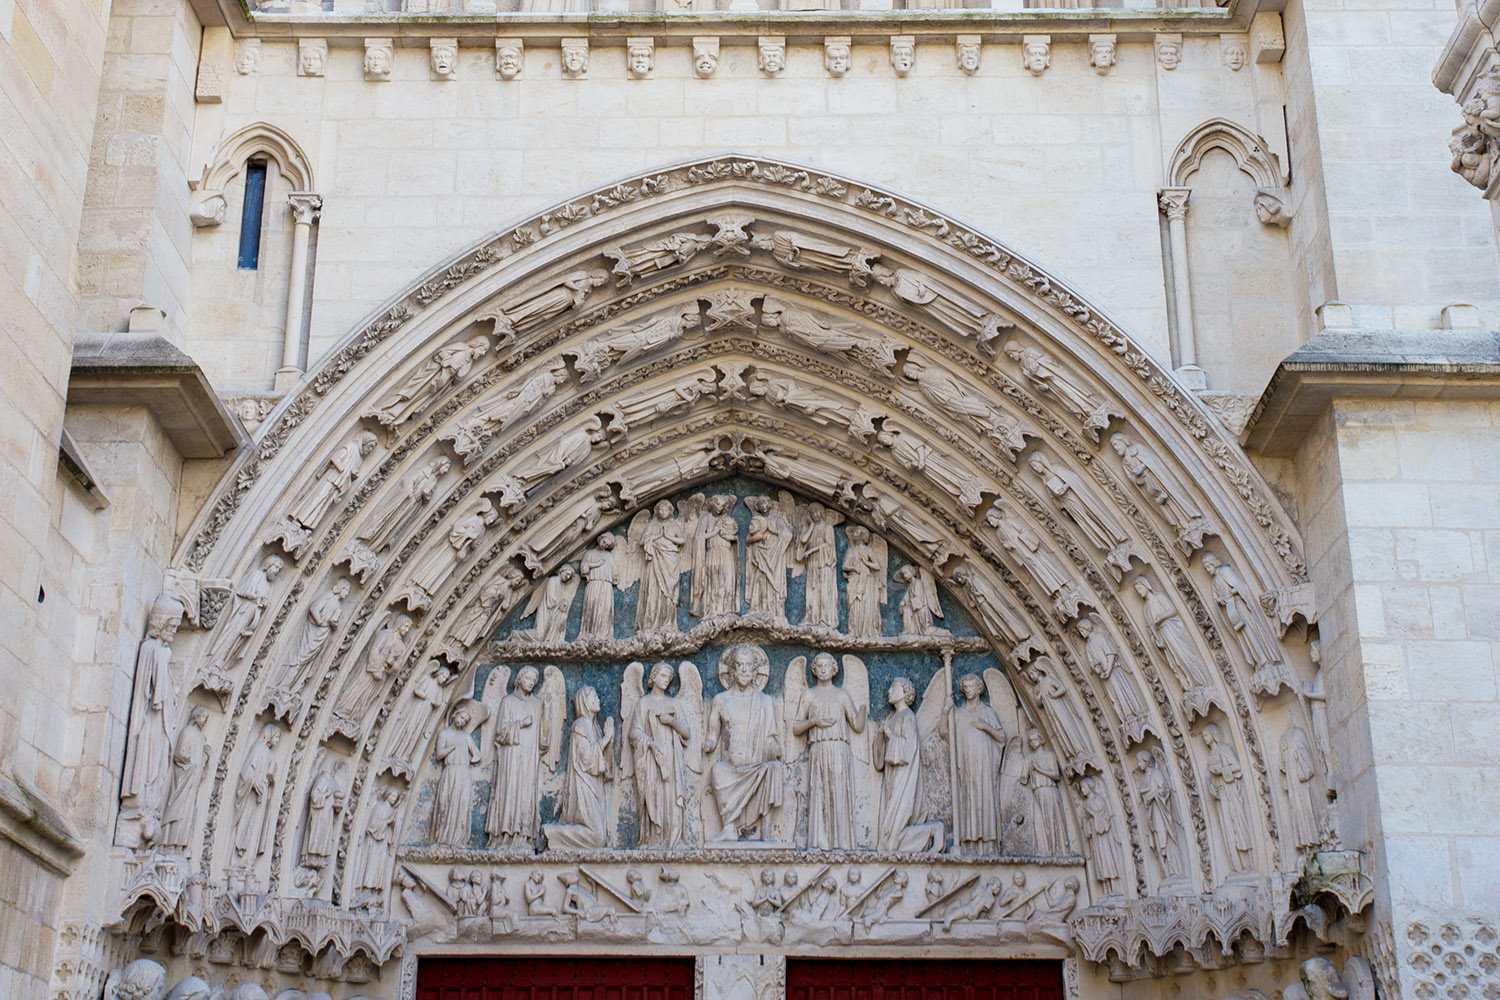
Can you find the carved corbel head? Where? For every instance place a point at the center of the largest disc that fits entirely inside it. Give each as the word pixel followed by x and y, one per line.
pixel 836 55
pixel 1235 51
pixel 378 57
pixel 903 53
pixel 575 58
pixel 1102 53
pixel 640 57
pixel 312 56
pixel 967 50
pixel 705 57
pixel 509 58
pixel 247 56
pixel 444 58
pixel 1271 209
pixel 772 54
pixel 1168 50
pixel 1036 53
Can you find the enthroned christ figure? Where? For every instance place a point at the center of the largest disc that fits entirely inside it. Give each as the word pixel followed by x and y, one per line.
pixel 747 780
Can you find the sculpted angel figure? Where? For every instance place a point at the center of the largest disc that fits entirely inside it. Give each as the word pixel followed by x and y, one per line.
pixel 251 595
pixel 599 568
pixel 1141 468
pixel 581 817
pixel 767 547
pixel 952 396
pixel 437 564
pixel 662 748
pixel 189 757
pixel 501 410
pixel 747 781
pixel 919 602
pixel 897 755
pixel 660 545
pixel 658 255
pixel 568 292
pixel 977 742
pixel 1178 649
pixel 864 581
pixel 413 726
pixel 550 605
pixel 873 350
pixel 828 718
pixel 446 367
pixel 1226 786
pixel 341 470
pixel 527 728
pixel 456 755
pixel 1103 658
pixel 1102 532
pixel 153 709
pixel 623 345
pixel 817 556
pixel 1163 822
pixel 1049 378
pixel 252 797
pixel 714 589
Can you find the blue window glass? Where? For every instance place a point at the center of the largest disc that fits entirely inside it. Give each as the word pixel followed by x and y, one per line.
pixel 253 213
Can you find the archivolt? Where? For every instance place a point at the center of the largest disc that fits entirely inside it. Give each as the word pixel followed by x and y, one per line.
pixel 937 362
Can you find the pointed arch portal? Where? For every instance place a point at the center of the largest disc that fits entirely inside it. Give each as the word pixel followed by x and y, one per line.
pixel 395 537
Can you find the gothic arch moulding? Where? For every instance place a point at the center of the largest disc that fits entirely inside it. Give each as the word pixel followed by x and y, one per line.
pixel 257 139
pixel 1248 149
pixel 938 425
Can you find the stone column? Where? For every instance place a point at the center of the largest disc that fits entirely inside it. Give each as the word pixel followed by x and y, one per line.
pixel 1173 202
pixel 740 977
pixel 305 206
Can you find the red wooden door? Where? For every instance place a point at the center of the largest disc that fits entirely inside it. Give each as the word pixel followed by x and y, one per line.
pixel 571 978
pixel 958 979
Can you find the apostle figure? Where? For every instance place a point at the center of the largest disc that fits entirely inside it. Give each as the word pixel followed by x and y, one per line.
pixel 516 791
pixel 1250 630
pixel 581 816
pixel 179 818
pixel 446 366
pixel 153 711
pixel 864 582
pixel 1298 776
pixel 1226 787
pixel 747 780
pixel 978 745
pixel 816 551
pixel 251 596
pixel 598 568
pixel 380 842
pixel 1098 825
pixel 411 727
pixel 322 618
pixel 252 797
pixel 659 736
pixel 1104 660
pixel 715 585
pixel 380 660
pixel 453 800
pixel 897 756
pixel 1178 649
pixel 1041 772
pixel 661 554
pixel 324 800
pixel 826 717
pixel 1163 824
pixel 341 471
pixel 766 547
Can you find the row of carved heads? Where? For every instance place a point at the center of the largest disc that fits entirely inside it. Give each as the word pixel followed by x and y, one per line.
pixel 640 61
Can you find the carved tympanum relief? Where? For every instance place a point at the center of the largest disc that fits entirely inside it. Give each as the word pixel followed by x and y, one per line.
pixel 959 498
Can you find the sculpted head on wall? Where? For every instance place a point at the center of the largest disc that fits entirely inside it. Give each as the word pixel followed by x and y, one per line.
pixel 575 57
pixel 1234 50
pixel 705 57
pixel 379 55
pixel 312 56
pixel 247 56
pixel 836 56
pixel 640 57
pixel 509 53
pixel 903 53
pixel 771 54
pixel 1036 53
pixel 443 58
pixel 967 52
pixel 1102 53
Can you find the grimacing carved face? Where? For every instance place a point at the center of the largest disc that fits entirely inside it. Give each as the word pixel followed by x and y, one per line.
pixel 838 60
pixel 443 59
pixel 705 63
pixel 509 62
pixel 902 57
pixel 968 58
pixel 1169 55
pixel 773 59
pixel 640 61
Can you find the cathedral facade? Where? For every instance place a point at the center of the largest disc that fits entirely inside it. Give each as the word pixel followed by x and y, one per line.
pixel 750 501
